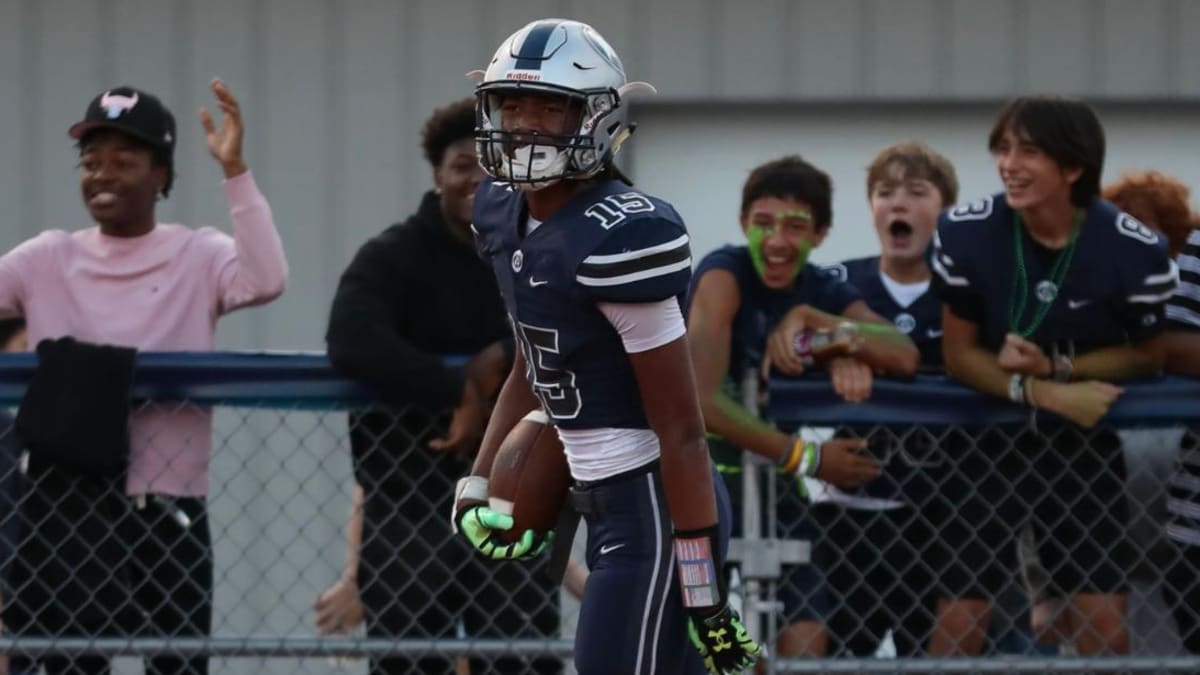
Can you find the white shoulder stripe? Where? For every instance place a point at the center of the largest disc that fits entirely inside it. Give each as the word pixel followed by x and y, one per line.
pixel 1170 276
pixel 945 273
pixel 1150 298
pixel 634 276
pixel 682 240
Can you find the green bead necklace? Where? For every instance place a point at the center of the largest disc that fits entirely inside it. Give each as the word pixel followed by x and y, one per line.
pixel 1019 296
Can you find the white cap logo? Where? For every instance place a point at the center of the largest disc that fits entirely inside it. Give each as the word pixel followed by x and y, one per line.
pixel 116 104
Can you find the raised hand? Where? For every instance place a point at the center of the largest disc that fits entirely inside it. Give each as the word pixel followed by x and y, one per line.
pixel 339 609
pixel 225 143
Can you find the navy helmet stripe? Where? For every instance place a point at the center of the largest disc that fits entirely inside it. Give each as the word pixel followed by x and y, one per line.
pixel 530 55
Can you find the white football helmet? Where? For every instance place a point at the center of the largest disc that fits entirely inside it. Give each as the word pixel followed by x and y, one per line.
pixel 553 57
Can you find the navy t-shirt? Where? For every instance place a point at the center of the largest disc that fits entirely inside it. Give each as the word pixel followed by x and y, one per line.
pixel 762 308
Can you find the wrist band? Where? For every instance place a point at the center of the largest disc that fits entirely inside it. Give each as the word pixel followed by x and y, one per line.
pixel 699 572
pixel 1028 391
pixel 1062 368
pixel 810 461
pixel 1016 389
pixel 791 460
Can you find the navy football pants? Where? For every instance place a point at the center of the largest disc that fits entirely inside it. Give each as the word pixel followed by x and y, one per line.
pixel 632 620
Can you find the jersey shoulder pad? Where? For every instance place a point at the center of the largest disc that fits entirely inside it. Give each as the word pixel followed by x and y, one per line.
pixel 733 259
pixel 961 235
pixel 614 205
pixel 983 208
pixel 1139 254
pixel 854 271
pixel 827 290
pixel 1119 230
pixel 642 260
pixel 496 206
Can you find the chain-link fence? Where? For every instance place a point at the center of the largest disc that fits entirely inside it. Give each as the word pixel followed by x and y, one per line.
pixel 976 498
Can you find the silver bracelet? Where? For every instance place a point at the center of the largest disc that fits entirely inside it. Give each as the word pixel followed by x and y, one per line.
pixel 1062 368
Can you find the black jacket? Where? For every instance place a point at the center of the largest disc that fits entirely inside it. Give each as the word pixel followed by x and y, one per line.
pixel 412 294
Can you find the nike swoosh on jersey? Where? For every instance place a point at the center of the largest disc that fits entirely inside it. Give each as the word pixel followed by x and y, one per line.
pixel 932 333
pixel 1076 304
pixel 610 548
pixel 535 284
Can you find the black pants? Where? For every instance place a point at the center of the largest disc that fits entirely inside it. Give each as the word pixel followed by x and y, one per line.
pixel 880 576
pixel 92 562
pixel 418 580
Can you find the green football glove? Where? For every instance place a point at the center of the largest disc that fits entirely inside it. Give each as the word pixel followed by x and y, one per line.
pixel 723 642
pixel 480 525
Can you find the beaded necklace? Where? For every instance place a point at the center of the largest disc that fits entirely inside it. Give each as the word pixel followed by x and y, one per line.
pixel 1046 290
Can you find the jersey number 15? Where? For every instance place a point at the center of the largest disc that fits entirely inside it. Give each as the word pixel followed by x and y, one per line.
pixel 553 386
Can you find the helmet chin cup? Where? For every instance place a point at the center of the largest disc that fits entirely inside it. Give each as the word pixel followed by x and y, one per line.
pixel 554 58
pixel 531 160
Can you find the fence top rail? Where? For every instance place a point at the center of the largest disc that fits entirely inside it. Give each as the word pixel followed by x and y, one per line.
pixel 306 379
pixel 939 400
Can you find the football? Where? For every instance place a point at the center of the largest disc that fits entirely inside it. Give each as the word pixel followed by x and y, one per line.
pixel 530 477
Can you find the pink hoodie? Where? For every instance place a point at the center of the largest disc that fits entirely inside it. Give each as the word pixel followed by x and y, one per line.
pixel 162 291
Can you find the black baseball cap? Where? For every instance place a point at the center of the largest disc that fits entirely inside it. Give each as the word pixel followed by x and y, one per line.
pixel 133 112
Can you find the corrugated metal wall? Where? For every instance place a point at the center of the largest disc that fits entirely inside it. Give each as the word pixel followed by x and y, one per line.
pixel 334 92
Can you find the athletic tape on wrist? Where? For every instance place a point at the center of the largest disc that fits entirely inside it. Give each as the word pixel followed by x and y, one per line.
pixel 699 576
pixel 474 488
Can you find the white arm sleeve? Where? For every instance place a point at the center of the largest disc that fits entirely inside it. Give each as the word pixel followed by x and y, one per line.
pixel 644 326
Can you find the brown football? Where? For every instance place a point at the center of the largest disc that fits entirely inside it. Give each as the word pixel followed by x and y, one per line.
pixel 530 476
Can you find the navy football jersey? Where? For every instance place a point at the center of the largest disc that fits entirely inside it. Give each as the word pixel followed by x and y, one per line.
pixel 1114 291
pixel 908 457
pixel 921 320
pixel 609 243
pixel 762 308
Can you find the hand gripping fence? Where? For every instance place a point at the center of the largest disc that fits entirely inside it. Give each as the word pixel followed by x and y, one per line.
pixel 1024 513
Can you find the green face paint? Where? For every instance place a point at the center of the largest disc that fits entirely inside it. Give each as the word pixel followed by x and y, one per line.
pixel 757 234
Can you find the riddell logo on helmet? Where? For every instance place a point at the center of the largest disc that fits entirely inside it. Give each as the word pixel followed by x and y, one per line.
pixel 524 75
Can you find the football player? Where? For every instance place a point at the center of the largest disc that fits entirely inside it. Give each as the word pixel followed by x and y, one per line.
pixel 1051 294
pixel 877 541
pixel 740 294
pixel 592 272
